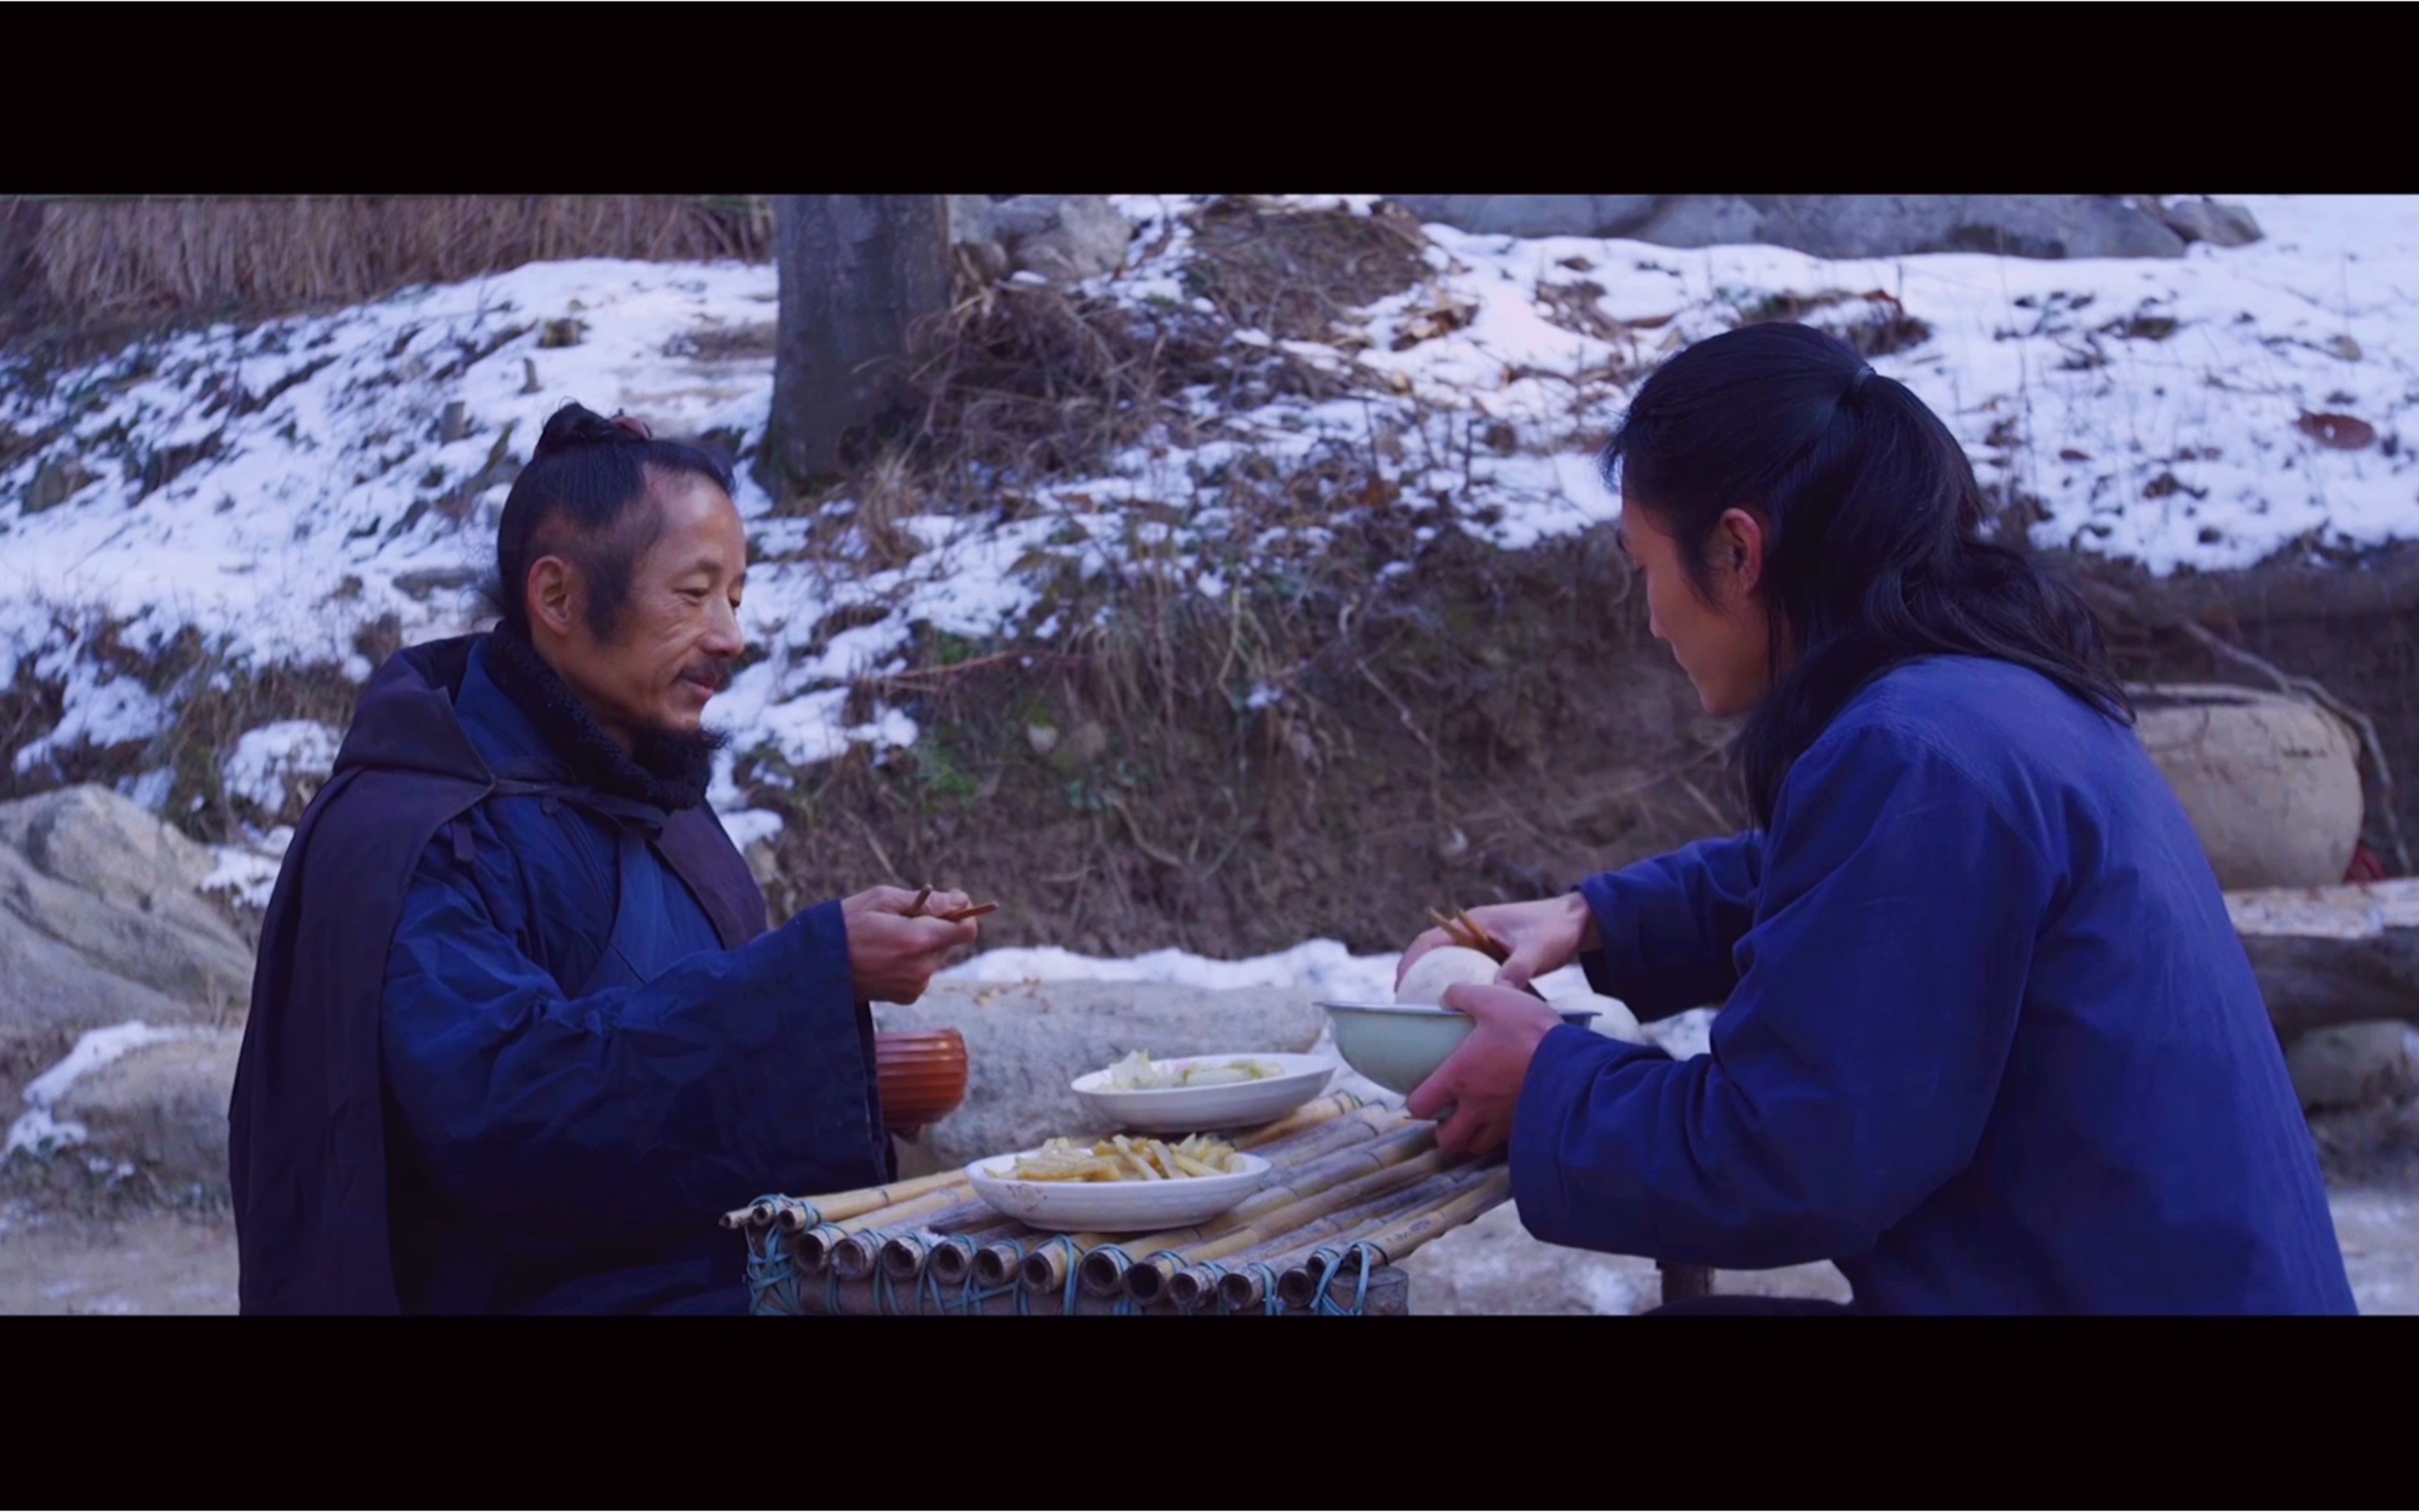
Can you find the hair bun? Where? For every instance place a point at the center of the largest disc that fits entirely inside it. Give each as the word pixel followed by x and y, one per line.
pixel 575 425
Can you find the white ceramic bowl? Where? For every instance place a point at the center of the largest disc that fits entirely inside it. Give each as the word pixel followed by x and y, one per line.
pixel 1398 1045
pixel 1137 1206
pixel 1235 1105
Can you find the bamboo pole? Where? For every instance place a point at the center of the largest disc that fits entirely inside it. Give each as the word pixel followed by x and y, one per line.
pixel 951 1259
pixel 838 1206
pixel 1310 1115
pixel 1259 1267
pixel 1356 1127
pixel 1105 1270
pixel 1299 1284
pixel 1375 1191
pixel 1242 1281
pixel 1387 1290
pixel 904 1255
pixel 940 1200
pixel 758 1214
pixel 997 1261
pixel 817 1247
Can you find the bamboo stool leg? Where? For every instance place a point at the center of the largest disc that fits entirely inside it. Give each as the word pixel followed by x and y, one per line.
pixel 1682 1282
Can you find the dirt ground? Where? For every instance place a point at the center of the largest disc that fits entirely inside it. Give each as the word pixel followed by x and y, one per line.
pixel 71 1258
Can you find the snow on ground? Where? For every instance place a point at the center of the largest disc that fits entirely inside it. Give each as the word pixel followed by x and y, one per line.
pixel 275 488
pixel 1323 969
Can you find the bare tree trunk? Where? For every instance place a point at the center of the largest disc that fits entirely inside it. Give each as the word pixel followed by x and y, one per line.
pixel 857 272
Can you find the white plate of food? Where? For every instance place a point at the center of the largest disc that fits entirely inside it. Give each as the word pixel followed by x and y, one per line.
pixel 1236 1090
pixel 1121 1184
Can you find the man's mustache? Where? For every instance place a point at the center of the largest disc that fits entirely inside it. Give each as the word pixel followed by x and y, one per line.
pixel 716 674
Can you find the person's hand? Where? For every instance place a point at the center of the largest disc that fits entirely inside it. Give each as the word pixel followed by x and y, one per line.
pixel 1481 1081
pixel 1542 937
pixel 893 957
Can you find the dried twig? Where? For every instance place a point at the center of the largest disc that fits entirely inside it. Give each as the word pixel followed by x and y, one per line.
pixel 1141 842
pixel 879 854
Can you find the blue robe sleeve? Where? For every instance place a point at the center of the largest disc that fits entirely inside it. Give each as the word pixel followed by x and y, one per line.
pixel 1669 925
pixel 1855 1062
pixel 636 1110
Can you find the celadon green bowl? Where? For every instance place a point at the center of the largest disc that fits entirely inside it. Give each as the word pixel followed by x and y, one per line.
pixel 1400 1045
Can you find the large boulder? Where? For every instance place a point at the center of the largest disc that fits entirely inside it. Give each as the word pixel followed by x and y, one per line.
pixel 1833 225
pixel 2271 782
pixel 92 838
pixel 101 924
pixel 1065 239
pixel 2351 1066
pixel 50 995
pixel 161 1108
pixel 2202 219
pixel 132 913
pixel 1535 215
pixel 1025 1042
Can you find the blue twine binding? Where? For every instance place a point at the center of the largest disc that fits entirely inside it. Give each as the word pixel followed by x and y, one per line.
pixel 1272 1306
pixel 772 1278
pixel 1327 1306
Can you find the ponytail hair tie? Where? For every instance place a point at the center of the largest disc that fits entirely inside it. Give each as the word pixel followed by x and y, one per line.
pixel 637 427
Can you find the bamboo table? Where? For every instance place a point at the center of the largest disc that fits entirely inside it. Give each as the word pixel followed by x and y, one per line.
pixel 1354 1189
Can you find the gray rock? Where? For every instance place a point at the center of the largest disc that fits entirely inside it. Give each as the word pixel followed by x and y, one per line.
pixel 104 843
pixel 1025 1042
pixel 1534 215
pixel 100 924
pixel 164 1108
pixel 1707 220
pixel 55 482
pixel 50 994
pixel 2203 218
pixel 187 955
pixel 1828 225
pixel 2352 1064
pixel 1064 237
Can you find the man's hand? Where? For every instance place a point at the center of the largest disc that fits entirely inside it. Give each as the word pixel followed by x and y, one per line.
pixel 1481 1081
pixel 894 956
pixel 1544 936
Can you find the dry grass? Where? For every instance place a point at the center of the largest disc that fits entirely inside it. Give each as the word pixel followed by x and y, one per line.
pixel 111 261
pixel 214 702
pixel 1292 273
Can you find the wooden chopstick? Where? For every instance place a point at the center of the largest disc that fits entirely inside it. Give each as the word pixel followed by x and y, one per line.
pixel 916 909
pixel 1471 934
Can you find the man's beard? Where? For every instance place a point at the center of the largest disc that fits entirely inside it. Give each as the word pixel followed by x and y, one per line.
pixel 683 757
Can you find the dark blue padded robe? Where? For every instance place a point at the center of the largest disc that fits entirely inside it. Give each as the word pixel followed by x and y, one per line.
pixel 1991 1044
pixel 516 1051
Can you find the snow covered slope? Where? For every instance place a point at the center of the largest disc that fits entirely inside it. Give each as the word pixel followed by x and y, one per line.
pixel 275 488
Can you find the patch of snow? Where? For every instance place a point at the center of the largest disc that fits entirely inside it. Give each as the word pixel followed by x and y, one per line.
pixel 1323 969
pixel 151 789
pixel 246 875
pixel 2154 408
pixel 266 761
pixel 36 1129
pixel 1609 1293
pixel 749 825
